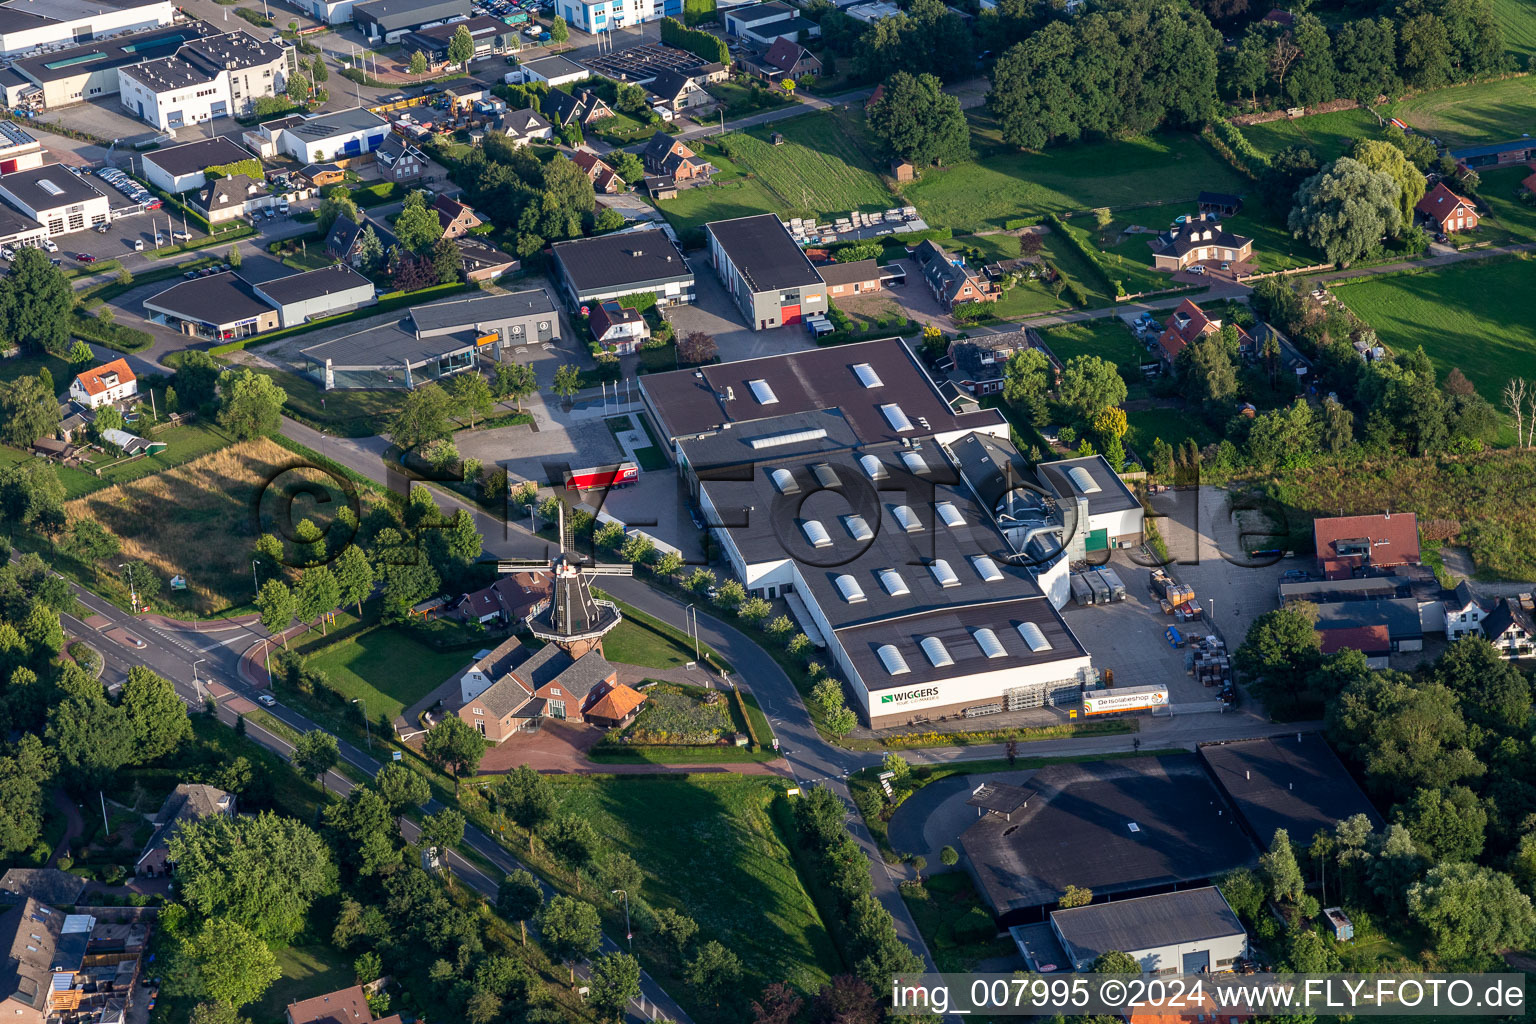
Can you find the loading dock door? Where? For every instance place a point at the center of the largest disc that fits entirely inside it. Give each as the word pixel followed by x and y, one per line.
pixel 1098 540
pixel 1197 963
pixel 789 315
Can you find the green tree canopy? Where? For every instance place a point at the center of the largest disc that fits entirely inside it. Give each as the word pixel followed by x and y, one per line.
pixel 223 962
pixel 252 403
pixel 1346 209
pixel 917 121
pixel 1472 912
pixel 35 302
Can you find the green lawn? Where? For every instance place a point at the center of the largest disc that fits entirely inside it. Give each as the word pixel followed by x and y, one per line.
pixel 1107 337
pixel 1329 135
pixel 1172 425
pixel 710 849
pixel 1274 247
pixel 1507 219
pixel 28 365
pixel 1518 20
pixel 184 444
pixel 343 413
pixel 1475 316
pixel 825 166
pixel 1004 183
pixel 637 643
pixel 741 100
pixel 309 970
pixel 388 669
pixel 1470 114
pixel 622 130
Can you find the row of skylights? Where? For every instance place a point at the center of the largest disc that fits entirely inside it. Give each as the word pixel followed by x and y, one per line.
pixel 939 656
pixel 791 437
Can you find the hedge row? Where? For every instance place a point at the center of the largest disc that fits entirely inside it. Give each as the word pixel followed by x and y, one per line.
pixel 227 238
pixel 1060 227
pixel 1238 149
pixel 700 44
pixel 1016 223
pixel 250 167
pixel 113 336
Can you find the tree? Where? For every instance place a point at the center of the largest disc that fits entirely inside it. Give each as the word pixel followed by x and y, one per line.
pixel 1306 953
pixel 514 381
pixel 1208 371
pixel 697 347
pixel 1089 385
pixel 315 753
pixel 447 262
pixel 1473 912
pixel 87 736
pixel 567 381
pixel 454 747
pixel 1338 426
pixel 423 416
pixel 277 607
pixel 401 787
pixel 232 257
pixel 519 897
pixel 1446 824
pixel 558 31
pixel 570 930
pixel 1385 158
pixel 336 203
pixel 35 302
pixel 615 981
pixel 1494 693
pixel 370 251
pixel 363 831
pixel 1284 438
pixel 1026 379
pixel 1243 892
pixel 23 775
pixel 1366 53
pixel 80 356
pixel 461 48
pixel 417 226
pixel 526 798
pixel 779 1004
pixel 1346 209
pixel 1076 896
pixel 300 88
pixel 676 929
pixel 252 403
pixel 28 408
pixel 223 962
pixel 628 166
pixel 418 66
pixel 918 121
pixel 155 715
pixel 215 1013
pixel 317 594
pixel 949 856
pixel 713 969
pixel 573 840
pixel 261 871
pixel 354 576
pixel 1279 653
pixel 444 830
pixel 197 378
pixel 1115 962
pixel 1281 872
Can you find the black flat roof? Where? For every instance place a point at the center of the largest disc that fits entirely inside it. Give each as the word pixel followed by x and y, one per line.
pixel 313 283
pixel 763 252
pixel 48 187
pixel 388 345
pixel 217 299
pixel 1078 831
pixel 1292 782
pixel 1148 922
pixel 454 314
pixel 634 258
pixel 1112 495
pixel 197 156
pixel 105 54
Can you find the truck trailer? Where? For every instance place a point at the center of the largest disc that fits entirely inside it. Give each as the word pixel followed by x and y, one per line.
pixel 1136 698
pixel 1114 583
pixel 596 478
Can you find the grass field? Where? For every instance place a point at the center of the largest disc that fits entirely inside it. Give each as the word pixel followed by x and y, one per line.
pixel 1507 219
pixel 1518 20
pixel 636 643
pixel 825 166
pixel 709 849
pixel 183 444
pixel 1329 135
pixel 1172 425
pixel 389 670
pixel 948 899
pixel 1003 183
pixel 1107 337
pixel 1470 114
pixel 1475 316
pixel 343 413
pixel 28 365
pixel 200 519
pixel 311 969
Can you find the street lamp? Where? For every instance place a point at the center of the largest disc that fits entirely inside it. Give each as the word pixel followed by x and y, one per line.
pixel 195 681
pixel 686 612
pixel 367 730
pixel 133 594
pixel 629 936
pixel 255 586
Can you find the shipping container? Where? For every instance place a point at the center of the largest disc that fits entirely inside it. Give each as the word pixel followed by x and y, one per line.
pixel 600 477
pixel 1100 588
pixel 1136 698
pixel 1115 584
pixel 1082 593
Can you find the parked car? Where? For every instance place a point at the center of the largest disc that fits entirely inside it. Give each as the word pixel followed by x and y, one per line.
pixel 103 227
pixel 50 245
pixel 266 700
pixel 1198 268
pixel 181 236
pixel 84 257
pixel 138 245
pixel 1226 266
pixel 7 254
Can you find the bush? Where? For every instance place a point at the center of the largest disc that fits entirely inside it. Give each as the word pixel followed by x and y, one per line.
pixel 1021 222
pixel 113 336
pixel 970 312
pixel 1249 160
pixel 976 926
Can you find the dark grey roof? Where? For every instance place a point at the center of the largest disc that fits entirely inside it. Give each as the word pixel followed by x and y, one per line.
pixel 858 271
pixel 1400 615
pixel 343 236
pixel 104 54
pixel 48 187
pixel 478 254
pixel 232 51
pixel 312 284
pixel 1000 797
pixel 668 84
pixel 1505 614
pixel 46 885
pixel 763 252
pixel 1150 922
pixel 1292 782
pixel 761 13
pixel 573 612
pixel 339 122
pixel 516 122
pixel 554 67
pixel 1219 199
pixel 992 466
pixel 197 156
pixel 188 802
pixel 1077 832
pixel 236 189
pixel 456 314
pixel 1112 496
pixel 633 259
pixel 397 14
pixel 169 73
pixel 219 299
pixel 387 345
pixel 14 223
pixel 504 696
pixel 1189 236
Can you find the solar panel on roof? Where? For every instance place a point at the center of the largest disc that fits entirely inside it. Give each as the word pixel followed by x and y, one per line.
pixel 891 658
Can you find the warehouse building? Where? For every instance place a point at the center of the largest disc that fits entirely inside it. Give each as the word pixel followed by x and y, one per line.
pixel 217 76
pixel 770 279
pixel 1127 828
pixel 1107 512
pixel 491 36
pixel 590 271
pixel 19 151
pixel 58 199
pixel 299 298
pixel 221 307
pixel 1292 782
pixel 340 137
pixel 180 168
pixel 391 20
pixel 1188 932
pixel 824 477
pixel 435 341
pixel 27 25
pixel 89 71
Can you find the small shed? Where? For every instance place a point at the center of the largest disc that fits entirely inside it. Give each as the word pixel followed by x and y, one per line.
pixel 1000 798
pixel 903 170
pixel 777 138
pixel 1220 203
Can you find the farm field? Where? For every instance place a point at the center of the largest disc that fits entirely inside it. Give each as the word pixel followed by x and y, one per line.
pixel 1004 183
pixel 1329 135
pixel 744 893
pixel 1518 20
pixel 183 445
pixel 1475 316
pixel 200 519
pixel 825 166
pixel 1465 115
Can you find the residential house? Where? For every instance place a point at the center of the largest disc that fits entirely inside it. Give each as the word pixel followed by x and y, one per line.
pixel 399 160
pixel 979 362
pixel 1188 324
pixel 948 278
pixel 1347 546
pixel 531 685
pixel 854 278
pixel 346 1006
pixel 785 59
pixel 46 885
pixel 106 384
pixel 605 180
pixel 671 159
pixel 511 601
pixel 678 91
pixel 620 330
pixel 615 708
pixel 583 107
pixel 483 261
pixel 1511 627
pixel 526 125
pixel 456 218
pixel 32 935
pixel 343 242
pixel 188 802
pixel 1464 613
pixel 227 199
pixel 1199 240
pixel 1446 212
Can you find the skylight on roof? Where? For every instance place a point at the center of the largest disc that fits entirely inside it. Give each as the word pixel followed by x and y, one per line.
pixel 943 574
pixel 986 568
pixel 894 585
pixel 906 518
pixel 791 437
pixel 896 418
pixel 815 533
pixel 762 392
pixel 937 654
pixel 858 528
pixel 850 589
pixel 891 658
pixel 951 515
pixel 1082 480
pixel 867 375
pixel 990 645
pixel 49 187
pixel 1034 637
pixel 783 481
pixel 914 462
pixel 873 467
pixel 825 474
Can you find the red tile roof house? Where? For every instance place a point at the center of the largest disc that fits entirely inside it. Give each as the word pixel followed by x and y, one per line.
pixel 1199 241
pixel 347 1006
pixel 104 385
pixel 456 218
pixel 1188 324
pixel 1375 642
pixel 605 180
pixel 1346 544
pixel 511 600
pixel 1447 211
pixel 669 157
pixel 525 686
